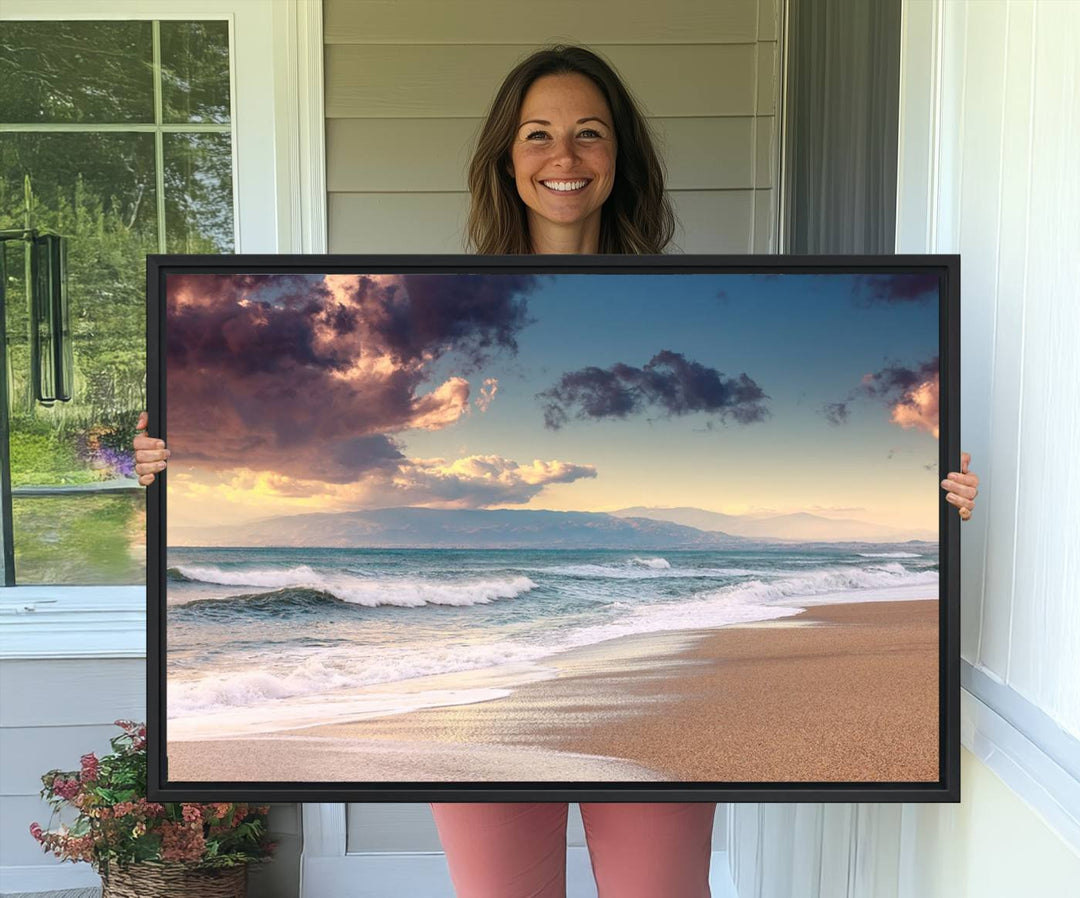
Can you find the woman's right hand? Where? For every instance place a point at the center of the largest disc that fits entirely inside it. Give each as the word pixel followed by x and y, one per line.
pixel 150 454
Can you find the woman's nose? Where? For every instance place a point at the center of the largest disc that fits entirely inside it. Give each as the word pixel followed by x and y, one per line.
pixel 564 149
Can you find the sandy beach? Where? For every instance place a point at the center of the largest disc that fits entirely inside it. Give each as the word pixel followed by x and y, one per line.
pixel 843 692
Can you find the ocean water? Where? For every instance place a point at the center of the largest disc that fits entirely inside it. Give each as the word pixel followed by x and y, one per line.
pixel 261 639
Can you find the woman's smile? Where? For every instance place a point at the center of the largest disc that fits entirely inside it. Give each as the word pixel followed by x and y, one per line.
pixel 569 187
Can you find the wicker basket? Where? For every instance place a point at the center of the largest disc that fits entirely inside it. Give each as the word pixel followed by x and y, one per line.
pixel 161 880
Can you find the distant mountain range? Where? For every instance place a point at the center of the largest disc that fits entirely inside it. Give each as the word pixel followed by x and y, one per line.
pixel 800 526
pixel 630 528
pixel 449 528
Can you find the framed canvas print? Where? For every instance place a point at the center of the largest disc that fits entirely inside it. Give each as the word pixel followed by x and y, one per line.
pixel 453 528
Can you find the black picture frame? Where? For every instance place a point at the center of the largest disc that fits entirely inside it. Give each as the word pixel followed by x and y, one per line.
pixel 946 789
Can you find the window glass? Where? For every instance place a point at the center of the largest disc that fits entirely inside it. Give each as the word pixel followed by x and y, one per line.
pixel 57 72
pixel 195 71
pixel 121 183
pixel 198 193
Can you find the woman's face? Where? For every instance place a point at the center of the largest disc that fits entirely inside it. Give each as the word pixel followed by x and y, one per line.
pixel 563 154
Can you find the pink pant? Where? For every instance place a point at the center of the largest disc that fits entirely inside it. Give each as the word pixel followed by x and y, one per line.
pixel 519 850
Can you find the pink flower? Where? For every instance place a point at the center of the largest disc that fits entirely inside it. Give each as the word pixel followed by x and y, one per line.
pixel 181 842
pixel 150 808
pixel 192 813
pixel 89 768
pixel 36 832
pixel 66 789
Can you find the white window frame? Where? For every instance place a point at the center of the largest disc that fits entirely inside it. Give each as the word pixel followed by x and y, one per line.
pixel 279 204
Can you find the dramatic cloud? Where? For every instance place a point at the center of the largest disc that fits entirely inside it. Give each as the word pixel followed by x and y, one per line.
pixel 312 376
pixel 889 289
pixel 471 313
pixel 911 394
pixel 668 383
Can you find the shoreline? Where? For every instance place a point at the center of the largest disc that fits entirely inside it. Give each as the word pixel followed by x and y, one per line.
pixel 838 692
pixel 477 684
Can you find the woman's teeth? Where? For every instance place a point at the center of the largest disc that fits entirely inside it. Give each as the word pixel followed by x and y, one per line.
pixel 564 186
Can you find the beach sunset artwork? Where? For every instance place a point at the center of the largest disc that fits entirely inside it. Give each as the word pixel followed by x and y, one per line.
pixel 582 527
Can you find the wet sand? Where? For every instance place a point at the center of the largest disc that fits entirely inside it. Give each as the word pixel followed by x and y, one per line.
pixel 838 693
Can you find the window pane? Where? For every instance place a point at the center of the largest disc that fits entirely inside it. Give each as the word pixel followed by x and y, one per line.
pixel 98 191
pixel 76 72
pixel 81 540
pixel 116 171
pixel 198 193
pixel 195 71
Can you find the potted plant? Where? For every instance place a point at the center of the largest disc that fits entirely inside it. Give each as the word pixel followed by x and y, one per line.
pixel 141 847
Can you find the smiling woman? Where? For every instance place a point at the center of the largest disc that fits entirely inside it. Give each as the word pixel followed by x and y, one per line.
pixel 561 117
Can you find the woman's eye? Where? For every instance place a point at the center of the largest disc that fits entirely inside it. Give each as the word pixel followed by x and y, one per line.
pixel 588 132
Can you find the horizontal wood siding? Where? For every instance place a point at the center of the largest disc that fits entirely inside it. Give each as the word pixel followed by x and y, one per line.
pixel 460 80
pixel 476 22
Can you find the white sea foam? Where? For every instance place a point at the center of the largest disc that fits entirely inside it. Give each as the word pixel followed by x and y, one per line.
pixel 309 711
pixel 282 679
pixel 758 600
pixel 889 555
pixel 291 677
pixel 641 571
pixel 270 578
pixel 656 564
pixel 405 592
pixel 831 580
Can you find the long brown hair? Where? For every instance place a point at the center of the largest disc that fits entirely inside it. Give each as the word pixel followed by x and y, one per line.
pixel 637 216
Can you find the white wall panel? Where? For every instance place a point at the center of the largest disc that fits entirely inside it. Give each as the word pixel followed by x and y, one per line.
pixel 1006 354
pixel 1045 633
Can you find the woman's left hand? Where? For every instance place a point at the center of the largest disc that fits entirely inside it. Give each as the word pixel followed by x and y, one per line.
pixel 962 488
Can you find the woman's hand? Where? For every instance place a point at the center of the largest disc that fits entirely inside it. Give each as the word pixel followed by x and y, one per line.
pixel 962 488
pixel 150 454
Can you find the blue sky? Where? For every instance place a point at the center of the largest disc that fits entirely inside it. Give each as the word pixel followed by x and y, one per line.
pixel 806 340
